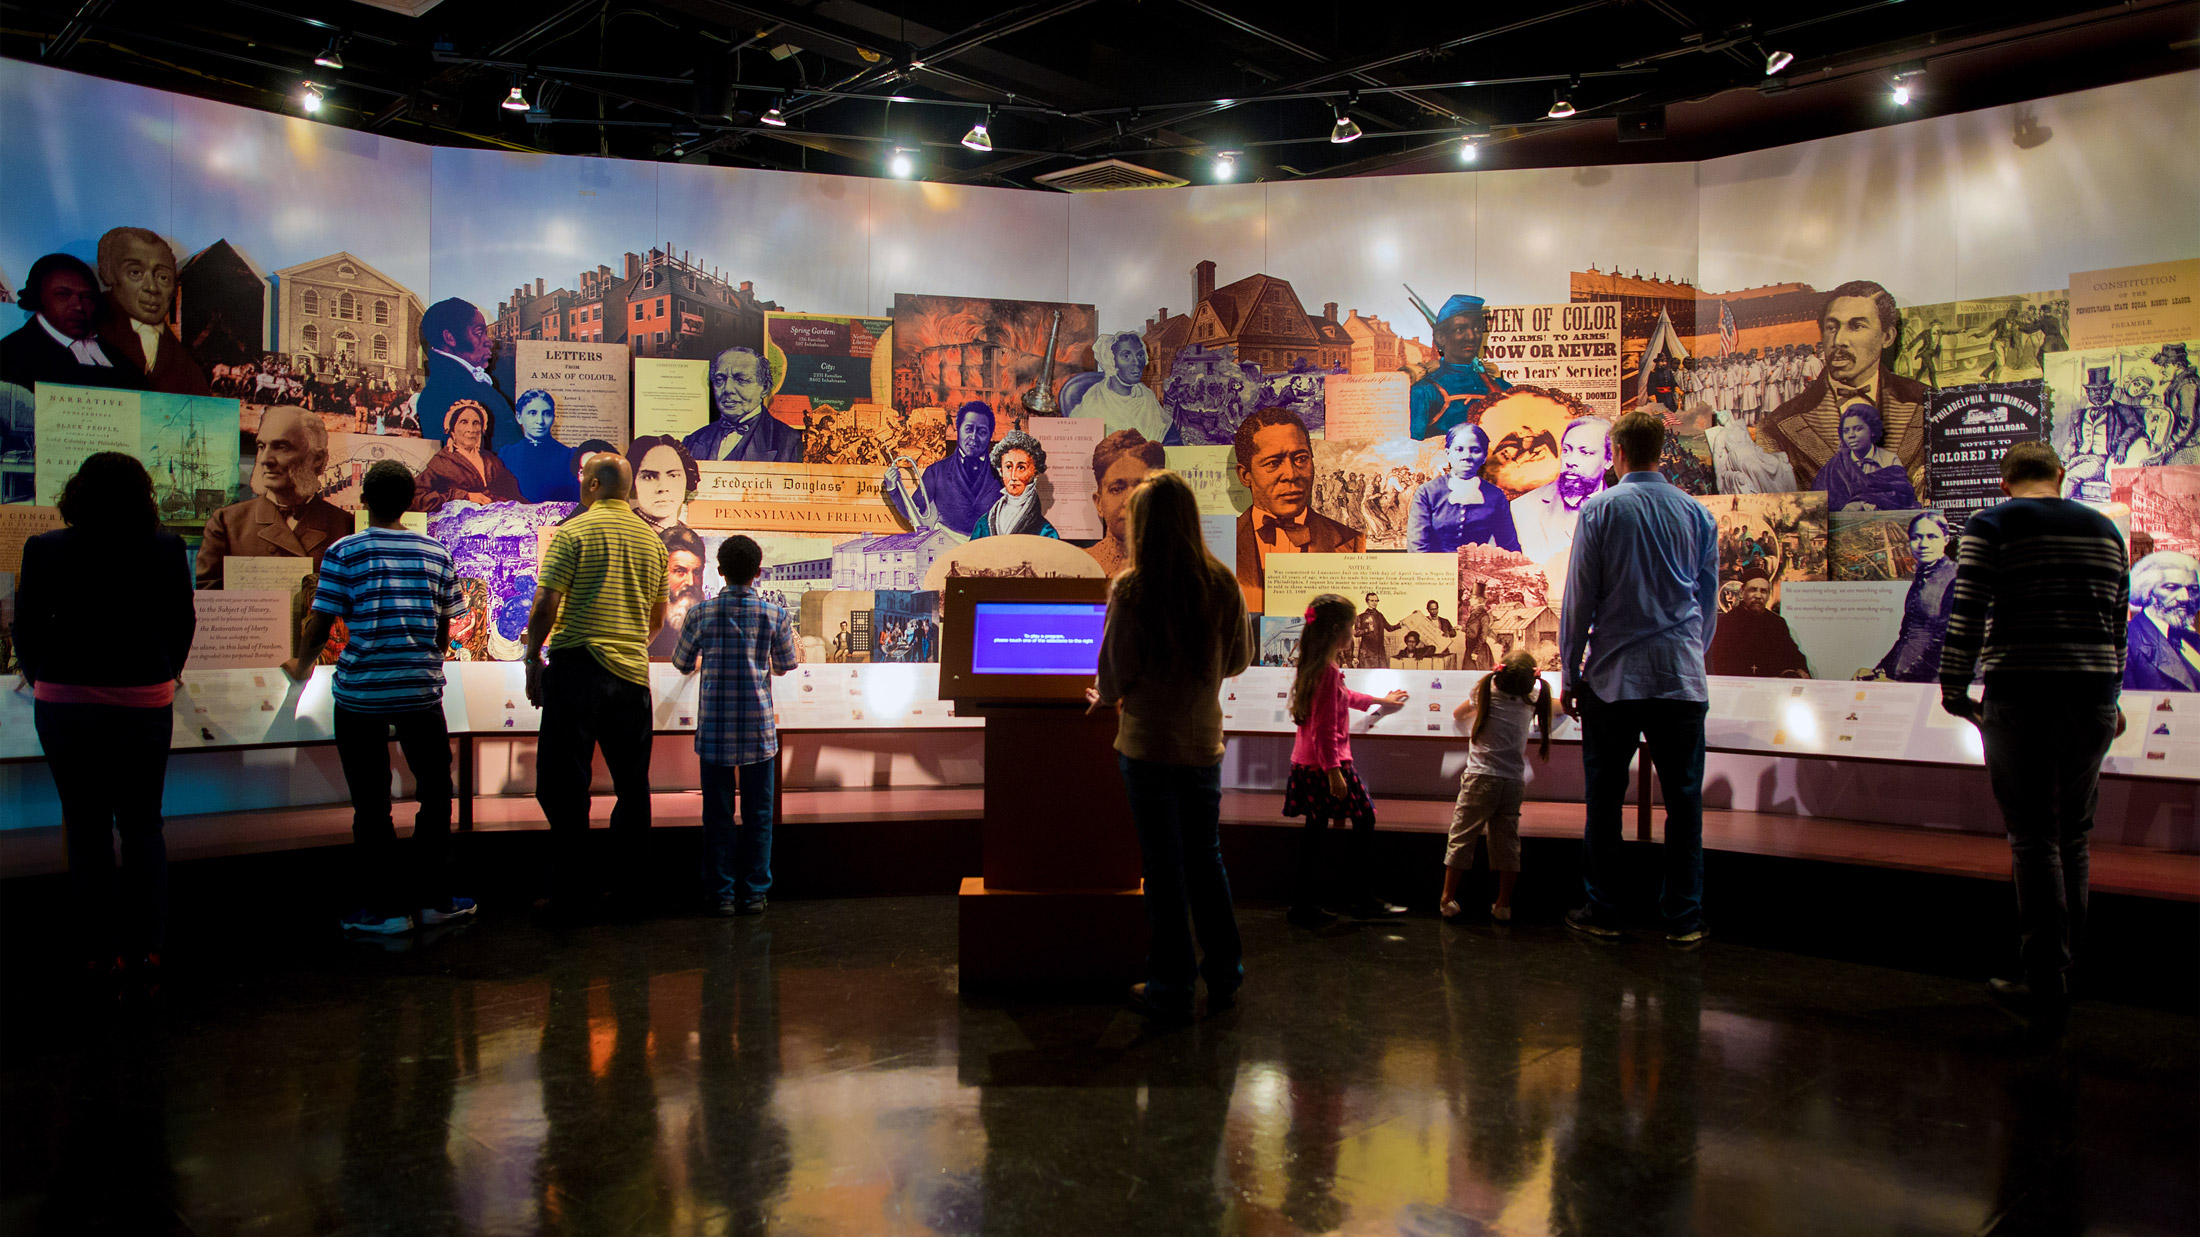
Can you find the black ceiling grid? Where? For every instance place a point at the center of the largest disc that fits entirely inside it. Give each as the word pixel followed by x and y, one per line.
pixel 1162 84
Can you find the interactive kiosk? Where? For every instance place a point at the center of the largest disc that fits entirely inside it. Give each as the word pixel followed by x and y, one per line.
pixel 1058 902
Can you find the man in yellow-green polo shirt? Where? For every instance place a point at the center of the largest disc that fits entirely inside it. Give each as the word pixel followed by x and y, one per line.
pixel 599 599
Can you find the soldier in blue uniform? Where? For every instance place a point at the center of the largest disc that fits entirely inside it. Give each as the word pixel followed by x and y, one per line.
pixel 1455 388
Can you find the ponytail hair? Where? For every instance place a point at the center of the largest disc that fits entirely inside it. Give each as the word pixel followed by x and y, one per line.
pixel 1328 621
pixel 1517 673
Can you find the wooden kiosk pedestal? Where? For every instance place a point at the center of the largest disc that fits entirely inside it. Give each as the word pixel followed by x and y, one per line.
pixel 1058 901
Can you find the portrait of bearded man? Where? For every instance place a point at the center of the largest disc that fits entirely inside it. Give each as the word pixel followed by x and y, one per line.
pixel 1545 517
pixel 2162 650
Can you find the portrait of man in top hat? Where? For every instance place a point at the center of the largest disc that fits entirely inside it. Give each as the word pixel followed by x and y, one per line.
pixel 1275 461
pixel 2178 395
pixel 139 270
pixel 1857 328
pixel 1456 387
pixel 2103 435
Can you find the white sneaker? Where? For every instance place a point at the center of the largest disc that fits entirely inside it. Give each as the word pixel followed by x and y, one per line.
pixel 1502 914
pixel 375 923
pixel 1449 909
pixel 460 908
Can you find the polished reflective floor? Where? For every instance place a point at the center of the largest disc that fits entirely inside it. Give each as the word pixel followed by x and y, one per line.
pixel 814 1072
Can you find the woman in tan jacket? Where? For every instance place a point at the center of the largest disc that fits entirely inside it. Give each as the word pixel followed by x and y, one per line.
pixel 1176 629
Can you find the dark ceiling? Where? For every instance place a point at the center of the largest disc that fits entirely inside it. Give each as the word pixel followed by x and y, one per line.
pixel 1164 84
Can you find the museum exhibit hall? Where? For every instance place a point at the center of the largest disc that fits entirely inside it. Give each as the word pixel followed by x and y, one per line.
pixel 1099 616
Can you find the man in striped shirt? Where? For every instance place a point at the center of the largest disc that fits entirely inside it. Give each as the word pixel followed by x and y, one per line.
pixel 740 639
pixel 2039 610
pixel 599 599
pixel 396 592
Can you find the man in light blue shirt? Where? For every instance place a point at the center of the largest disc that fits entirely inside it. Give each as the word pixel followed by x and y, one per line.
pixel 1641 602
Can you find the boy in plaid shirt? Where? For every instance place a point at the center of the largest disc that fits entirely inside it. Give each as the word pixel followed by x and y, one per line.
pixel 740 640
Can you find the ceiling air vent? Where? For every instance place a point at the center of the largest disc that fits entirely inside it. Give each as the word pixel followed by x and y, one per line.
pixel 1106 175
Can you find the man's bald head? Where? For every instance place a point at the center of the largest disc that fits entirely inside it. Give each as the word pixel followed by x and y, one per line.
pixel 289 451
pixel 287 420
pixel 606 476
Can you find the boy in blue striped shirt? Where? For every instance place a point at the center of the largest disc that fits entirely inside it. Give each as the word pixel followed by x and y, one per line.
pixel 396 592
pixel 739 639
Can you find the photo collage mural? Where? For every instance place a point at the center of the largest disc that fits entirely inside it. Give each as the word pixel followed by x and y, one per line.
pixel 286 304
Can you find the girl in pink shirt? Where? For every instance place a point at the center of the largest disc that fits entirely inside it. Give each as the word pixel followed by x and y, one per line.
pixel 1323 787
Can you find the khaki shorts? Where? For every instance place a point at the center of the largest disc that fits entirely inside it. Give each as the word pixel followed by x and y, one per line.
pixel 1491 804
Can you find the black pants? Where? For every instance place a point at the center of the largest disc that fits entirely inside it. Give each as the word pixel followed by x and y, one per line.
pixel 2044 760
pixel 585 706
pixel 363 745
pixel 1307 891
pixel 109 765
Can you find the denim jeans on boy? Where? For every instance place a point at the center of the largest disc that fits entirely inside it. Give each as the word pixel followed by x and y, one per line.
pixel 737 861
pixel 1178 812
pixel 2044 760
pixel 1674 732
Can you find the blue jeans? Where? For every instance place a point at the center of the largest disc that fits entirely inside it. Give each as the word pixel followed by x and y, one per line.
pixel 1178 812
pixel 2044 760
pixel 737 862
pixel 1674 731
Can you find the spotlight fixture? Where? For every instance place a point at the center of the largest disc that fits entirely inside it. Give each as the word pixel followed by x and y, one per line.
pixel 980 137
pixel 1346 129
pixel 310 97
pixel 1468 151
pixel 515 101
pixel 1562 101
pixel 1777 60
pixel 333 56
pixel 773 116
pixel 1226 164
pixel 1905 82
pixel 901 164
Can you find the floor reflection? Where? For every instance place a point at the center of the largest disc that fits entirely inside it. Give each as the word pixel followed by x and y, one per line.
pixel 738 1153
pixel 816 1073
pixel 1626 1164
pixel 603 1169
pixel 397 1176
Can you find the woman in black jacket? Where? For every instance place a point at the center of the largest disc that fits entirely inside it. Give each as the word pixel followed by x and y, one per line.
pixel 103 622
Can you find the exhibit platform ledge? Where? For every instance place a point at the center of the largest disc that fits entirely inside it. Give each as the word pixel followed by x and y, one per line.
pixel 2129 870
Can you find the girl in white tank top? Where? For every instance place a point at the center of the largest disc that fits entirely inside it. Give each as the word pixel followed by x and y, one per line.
pixel 1495 780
